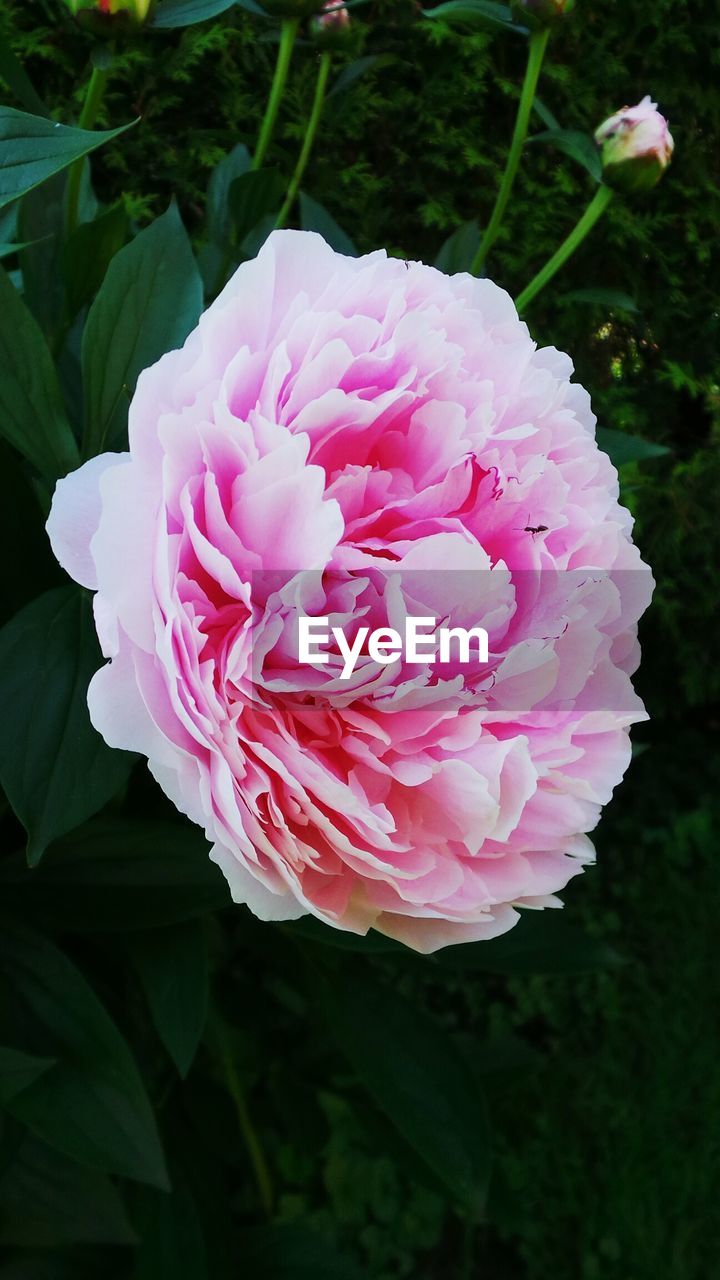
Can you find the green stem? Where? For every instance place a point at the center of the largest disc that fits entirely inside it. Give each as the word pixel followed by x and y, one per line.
pixel 309 139
pixel 88 116
pixel 288 31
pixel 252 1142
pixel 536 53
pixel 595 210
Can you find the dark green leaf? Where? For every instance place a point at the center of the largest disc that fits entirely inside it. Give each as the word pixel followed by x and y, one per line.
pixel 94 1082
pixel 18 81
pixel 41 221
pixel 32 416
pixel 354 70
pixel 459 249
pixel 541 942
pixel 149 301
pixel 475 13
pixel 87 254
pixel 622 448
pixel 418 1077
pixel 184 13
pixel 55 769
pixel 47 1201
pixel 254 196
pixel 117 874
pixel 613 299
pixel 173 970
pixel 232 166
pixel 172 1238
pixel 32 149
pixel 18 1070
pixel 579 146
pixel 313 217
pixel 288 1251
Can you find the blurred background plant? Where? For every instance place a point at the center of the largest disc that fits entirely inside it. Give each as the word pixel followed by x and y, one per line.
pixel 151 1036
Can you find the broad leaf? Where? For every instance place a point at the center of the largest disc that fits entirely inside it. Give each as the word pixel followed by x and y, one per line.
pixel 360 67
pixel 41 222
pixel 18 1070
pixel 172 1240
pixel 184 13
pixel 622 448
pixel 254 197
pixel 18 81
pixel 579 146
pixel 475 13
pixel 219 215
pixel 117 874
pixel 314 217
pixel 32 415
pixel 418 1077
pixel 95 1081
pixel 55 769
pixel 459 249
pixel 47 1201
pixel 173 970
pixel 33 148
pixel 88 253
pixel 149 301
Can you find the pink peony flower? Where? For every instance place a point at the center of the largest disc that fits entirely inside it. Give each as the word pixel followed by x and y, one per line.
pixel 636 146
pixel 363 440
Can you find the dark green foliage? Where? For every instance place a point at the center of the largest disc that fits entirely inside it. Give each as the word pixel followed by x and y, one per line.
pixel 540 1107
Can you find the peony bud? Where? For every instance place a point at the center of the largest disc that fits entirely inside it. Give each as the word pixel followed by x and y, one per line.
pixel 106 15
pixel 541 13
pixel 636 146
pixel 331 26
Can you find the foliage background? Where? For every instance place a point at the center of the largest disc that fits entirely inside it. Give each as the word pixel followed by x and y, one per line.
pixel 603 1086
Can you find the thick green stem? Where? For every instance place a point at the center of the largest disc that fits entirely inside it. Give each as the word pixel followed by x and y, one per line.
pixel 88 116
pixel 309 139
pixel 595 210
pixel 536 53
pixel 288 31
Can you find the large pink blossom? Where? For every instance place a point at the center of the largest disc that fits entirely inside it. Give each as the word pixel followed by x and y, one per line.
pixel 364 439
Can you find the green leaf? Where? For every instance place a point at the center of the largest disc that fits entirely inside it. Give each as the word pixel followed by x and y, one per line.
pixel 541 942
pixel 41 220
pixel 55 769
pixel 172 1238
pixel 18 1070
pixel 149 301
pixel 613 299
pixel 360 67
pixel 18 81
pixel 579 146
pixel 47 1201
pixel 417 1076
pixel 32 149
pixel 290 1251
pixel 92 1104
pixel 475 13
pixel 184 13
pixel 173 970
pixel 32 415
pixel 117 874
pixel 622 448
pixel 313 217
pixel 219 220
pixel 459 249
pixel 88 253
pixel 253 197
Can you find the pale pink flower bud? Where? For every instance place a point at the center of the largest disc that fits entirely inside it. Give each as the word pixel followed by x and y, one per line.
pixel 332 24
pixel 636 146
